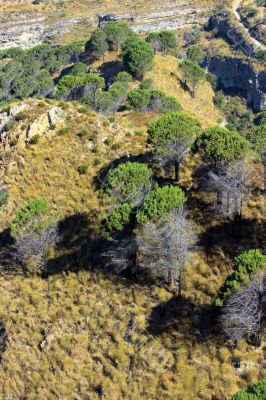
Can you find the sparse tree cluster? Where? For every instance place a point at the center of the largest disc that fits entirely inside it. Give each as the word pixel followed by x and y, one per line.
pixel 162 41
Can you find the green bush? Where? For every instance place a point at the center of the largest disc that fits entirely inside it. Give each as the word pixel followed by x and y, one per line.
pixel 35 139
pixel 63 131
pixel 123 77
pixel 83 133
pixel 256 391
pixel 83 169
pixel 146 84
pixel 116 146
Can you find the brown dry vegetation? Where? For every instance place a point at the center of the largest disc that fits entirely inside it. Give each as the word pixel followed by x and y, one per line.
pixel 85 334
pixel 106 335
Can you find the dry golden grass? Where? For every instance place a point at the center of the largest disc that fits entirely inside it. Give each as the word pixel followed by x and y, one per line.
pixel 101 334
pixel 166 75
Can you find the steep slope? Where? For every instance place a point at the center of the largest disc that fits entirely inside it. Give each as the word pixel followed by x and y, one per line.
pixel 84 334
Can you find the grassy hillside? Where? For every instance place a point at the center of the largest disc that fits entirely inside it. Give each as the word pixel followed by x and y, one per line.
pixel 85 334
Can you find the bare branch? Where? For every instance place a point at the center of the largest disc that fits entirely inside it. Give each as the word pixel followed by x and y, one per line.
pixel 121 254
pixel 163 246
pixel 33 247
pixel 242 313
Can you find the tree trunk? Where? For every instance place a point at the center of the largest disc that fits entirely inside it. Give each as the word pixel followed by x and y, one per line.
pixel 236 212
pixel 170 278
pixel 179 293
pixel 228 205
pixel 177 168
pixel 219 200
pixel 264 171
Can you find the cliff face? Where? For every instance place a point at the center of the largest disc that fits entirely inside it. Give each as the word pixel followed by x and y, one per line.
pixel 238 75
pixel 234 32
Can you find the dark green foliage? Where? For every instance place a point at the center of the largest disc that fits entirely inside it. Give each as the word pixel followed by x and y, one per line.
pixel 29 73
pixel 119 218
pixel 192 74
pixel 83 169
pixel 171 125
pixel 138 99
pixel 137 56
pixel 256 391
pixel 246 267
pixel 123 77
pixel 195 54
pixel 34 214
pixel 125 181
pixel 159 202
pixel 171 137
pixel 79 69
pixel 146 100
pixel 155 41
pixel 84 87
pixel 146 84
pixel 35 139
pixel 262 119
pixel 168 40
pixel 257 137
pixel 219 100
pixel 10 125
pixel 116 34
pixel 162 41
pixel 125 188
pixel 97 43
pixel 219 145
pixel 261 55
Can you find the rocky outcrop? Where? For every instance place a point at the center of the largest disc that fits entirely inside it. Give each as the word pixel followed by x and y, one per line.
pixel 8 115
pixel 231 30
pixel 21 134
pixel 240 76
pixel 43 124
pixel 25 33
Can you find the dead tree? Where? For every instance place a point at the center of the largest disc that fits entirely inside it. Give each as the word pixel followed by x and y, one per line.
pixel 121 255
pixel 32 248
pixel 243 312
pixel 236 183
pixel 163 247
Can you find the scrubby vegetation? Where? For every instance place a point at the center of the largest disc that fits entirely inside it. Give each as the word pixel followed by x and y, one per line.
pixel 133 255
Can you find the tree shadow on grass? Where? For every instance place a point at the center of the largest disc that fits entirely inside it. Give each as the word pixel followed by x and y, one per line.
pixel 198 323
pixel 7 261
pixel 232 238
pixel 78 245
pixel 110 69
